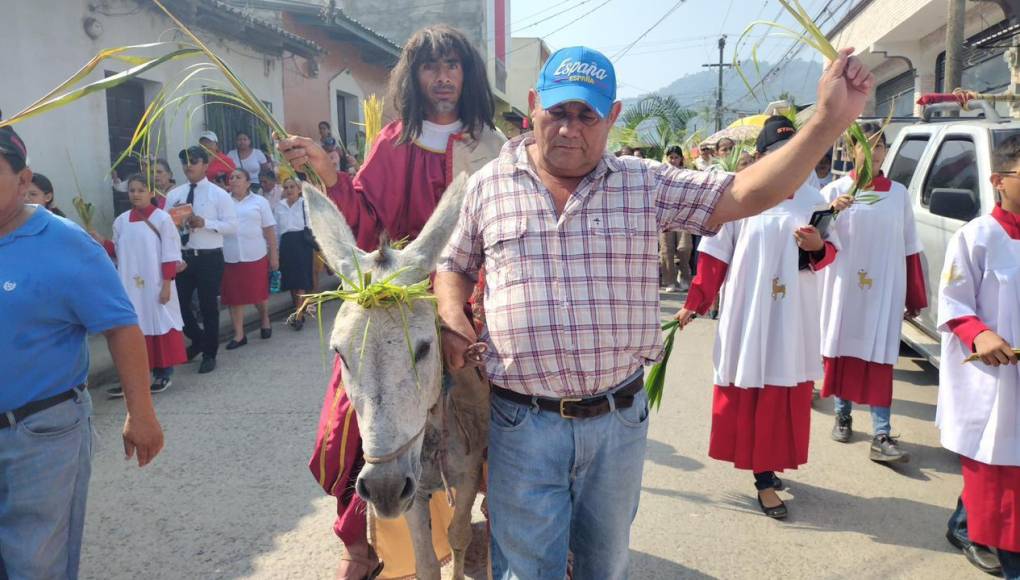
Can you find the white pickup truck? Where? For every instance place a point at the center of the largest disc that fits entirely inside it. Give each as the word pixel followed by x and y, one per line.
pixel 946 164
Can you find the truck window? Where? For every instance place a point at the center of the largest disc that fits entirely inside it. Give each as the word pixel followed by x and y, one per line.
pixel 955 167
pixel 907 157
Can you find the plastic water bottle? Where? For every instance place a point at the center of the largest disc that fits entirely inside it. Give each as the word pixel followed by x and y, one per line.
pixel 274 281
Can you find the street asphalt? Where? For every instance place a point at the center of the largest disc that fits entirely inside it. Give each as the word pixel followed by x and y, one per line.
pixel 231 495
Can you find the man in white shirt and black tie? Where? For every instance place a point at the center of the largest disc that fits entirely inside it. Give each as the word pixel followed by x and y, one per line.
pixel 202 246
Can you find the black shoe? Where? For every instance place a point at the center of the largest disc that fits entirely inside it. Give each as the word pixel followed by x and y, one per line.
pixel 115 392
pixel 193 351
pixel 296 323
pixel 777 513
pixel 842 431
pixel 777 484
pixel 208 365
pixel 885 450
pixel 981 557
pixel 160 385
pixel 266 333
pixel 237 343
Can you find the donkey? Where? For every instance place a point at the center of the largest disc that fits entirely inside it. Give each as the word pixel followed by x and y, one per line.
pixel 418 437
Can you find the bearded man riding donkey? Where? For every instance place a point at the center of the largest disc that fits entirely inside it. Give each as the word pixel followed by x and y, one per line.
pixel 441 93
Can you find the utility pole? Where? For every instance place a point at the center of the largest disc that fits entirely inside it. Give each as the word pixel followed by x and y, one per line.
pixel 953 77
pixel 719 93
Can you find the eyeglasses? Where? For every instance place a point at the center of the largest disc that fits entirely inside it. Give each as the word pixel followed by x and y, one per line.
pixel 192 161
pixel 1007 173
pixel 587 118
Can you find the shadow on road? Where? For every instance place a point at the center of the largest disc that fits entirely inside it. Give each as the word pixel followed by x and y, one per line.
pixel 648 566
pixel 666 455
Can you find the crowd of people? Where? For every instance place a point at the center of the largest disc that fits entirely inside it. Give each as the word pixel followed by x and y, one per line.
pixel 562 249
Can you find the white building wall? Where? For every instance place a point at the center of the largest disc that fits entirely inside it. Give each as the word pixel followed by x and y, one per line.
pixel 49 44
pixel 524 69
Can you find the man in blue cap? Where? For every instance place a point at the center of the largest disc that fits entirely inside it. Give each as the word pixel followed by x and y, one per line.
pixel 568 237
pixel 56 286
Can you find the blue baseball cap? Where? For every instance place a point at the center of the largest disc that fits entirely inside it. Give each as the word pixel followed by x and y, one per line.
pixel 580 74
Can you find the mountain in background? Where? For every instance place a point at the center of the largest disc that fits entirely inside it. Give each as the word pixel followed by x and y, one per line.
pixel 697 91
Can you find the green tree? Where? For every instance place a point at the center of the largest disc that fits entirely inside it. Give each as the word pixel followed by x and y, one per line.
pixel 653 124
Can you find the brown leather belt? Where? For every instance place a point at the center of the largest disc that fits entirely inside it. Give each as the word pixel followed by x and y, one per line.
pixel 577 408
pixel 34 407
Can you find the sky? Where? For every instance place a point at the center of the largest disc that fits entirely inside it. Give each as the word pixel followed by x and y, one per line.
pixel 680 44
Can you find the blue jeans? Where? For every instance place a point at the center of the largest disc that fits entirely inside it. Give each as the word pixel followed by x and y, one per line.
pixel 162 373
pixel 880 416
pixel 560 484
pixel 45 464
pixel 958 522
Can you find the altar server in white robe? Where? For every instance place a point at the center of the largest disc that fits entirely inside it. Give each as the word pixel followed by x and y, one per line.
pixel 877 277
pixel 979 402
pixel 767 350
pixel 147 249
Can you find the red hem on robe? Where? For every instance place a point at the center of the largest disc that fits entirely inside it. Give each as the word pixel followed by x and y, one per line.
pixel 169 270
pixel 335 460
pixel 967 328
pixel 245 283
pixel 166 350
pixel 917 296
pixel 766 429
pixel 827 258
pixel 111 249
pixel 859 381
pixel 991 494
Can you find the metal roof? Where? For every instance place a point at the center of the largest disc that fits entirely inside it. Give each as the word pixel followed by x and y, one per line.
pixel 256 31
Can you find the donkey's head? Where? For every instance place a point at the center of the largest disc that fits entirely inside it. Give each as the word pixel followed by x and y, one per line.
pixel 390 352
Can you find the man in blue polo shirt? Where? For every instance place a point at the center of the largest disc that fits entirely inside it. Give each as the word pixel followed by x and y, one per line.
pixel 57 286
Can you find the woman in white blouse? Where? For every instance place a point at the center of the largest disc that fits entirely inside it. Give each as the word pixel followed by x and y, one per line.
pixel 248 158
pixel 249 254
pixel 296 251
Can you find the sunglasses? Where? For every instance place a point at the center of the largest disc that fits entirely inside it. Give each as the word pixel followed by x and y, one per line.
pixel 190 161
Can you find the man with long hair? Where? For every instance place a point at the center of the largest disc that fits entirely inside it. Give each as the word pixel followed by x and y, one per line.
pixel 441 94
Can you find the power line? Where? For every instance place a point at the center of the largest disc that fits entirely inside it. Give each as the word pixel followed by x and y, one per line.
pixel 645 33
pixel 550 17
pixel 548 34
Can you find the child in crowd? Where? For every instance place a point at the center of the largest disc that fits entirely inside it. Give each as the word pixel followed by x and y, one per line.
pixel 40 192
pixel 877 275
pixel 767 347
pixel 979 402
pixel 147 250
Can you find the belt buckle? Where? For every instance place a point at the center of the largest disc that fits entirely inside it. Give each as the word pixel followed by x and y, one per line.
pixel 563 402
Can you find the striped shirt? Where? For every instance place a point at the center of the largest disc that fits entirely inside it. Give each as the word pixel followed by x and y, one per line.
pixel 572 301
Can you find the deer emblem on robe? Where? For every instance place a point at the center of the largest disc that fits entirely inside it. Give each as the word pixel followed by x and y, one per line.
pixel 778 290
pixel 863 281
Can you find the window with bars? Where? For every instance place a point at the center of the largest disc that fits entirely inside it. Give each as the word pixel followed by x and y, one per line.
pixel 226 120
pixel 896 95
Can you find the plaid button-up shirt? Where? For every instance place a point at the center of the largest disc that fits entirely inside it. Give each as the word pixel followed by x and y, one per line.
pixel 572 300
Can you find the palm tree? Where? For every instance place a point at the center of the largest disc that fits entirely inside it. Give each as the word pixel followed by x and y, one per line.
pixel 654 124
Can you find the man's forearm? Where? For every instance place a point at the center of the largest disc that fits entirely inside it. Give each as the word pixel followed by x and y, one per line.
pixel 452 291
pixel 778 175
pixel 127 347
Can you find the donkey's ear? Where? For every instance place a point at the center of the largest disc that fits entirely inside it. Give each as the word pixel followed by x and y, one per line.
pixel 421 254
pixel 331 231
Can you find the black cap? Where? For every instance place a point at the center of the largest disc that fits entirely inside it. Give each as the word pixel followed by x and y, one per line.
pixel 11 145
pixel 774 134
pixel 194 152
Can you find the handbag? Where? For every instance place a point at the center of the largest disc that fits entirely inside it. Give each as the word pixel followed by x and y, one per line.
pixel 306 234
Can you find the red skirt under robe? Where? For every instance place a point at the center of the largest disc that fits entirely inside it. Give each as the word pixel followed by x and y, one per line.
pixel 166 350
pixel 991 494
pixel 765 429
pixel 858 381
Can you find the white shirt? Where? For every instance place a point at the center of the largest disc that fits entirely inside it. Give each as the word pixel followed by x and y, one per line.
pixel 252 163
pixel 248 244
pixel 290 218
pixel 213 205
pixel 436 137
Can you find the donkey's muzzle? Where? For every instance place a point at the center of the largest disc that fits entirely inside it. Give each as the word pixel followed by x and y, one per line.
pixel 390 496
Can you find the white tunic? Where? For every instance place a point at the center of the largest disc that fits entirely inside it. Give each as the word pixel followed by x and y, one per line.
pixel 768 329
pixel 864 291
pixel 140 258
pixel 979 406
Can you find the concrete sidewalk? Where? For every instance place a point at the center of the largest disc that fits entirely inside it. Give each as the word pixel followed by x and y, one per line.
pixel 101 370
